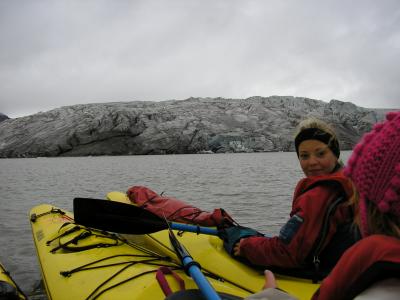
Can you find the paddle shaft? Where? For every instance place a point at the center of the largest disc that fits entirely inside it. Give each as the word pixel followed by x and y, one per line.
pixel 193 268
pixel 201 281
pixel 196 229
pixel 193 228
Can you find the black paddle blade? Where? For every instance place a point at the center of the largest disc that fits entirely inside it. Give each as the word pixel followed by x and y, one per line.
pixel 116 217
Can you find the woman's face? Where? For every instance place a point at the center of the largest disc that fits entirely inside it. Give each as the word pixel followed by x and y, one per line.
pixel 316 158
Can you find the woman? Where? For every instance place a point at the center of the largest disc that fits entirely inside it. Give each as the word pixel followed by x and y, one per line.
pixel 374 167
pixel 318 231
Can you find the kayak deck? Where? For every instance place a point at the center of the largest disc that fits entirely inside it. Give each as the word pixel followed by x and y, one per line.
pixel 209 252
pixel 83 263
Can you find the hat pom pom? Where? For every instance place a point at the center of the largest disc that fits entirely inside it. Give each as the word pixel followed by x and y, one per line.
pixel 390 195
pixel 383 207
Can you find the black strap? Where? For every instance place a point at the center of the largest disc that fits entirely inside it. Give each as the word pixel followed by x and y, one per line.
pixel 190 264
pixel 53 210
pixel 83 235
pixel 69 231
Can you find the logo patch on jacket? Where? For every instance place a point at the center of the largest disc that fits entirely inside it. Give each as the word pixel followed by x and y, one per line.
pixel 288 230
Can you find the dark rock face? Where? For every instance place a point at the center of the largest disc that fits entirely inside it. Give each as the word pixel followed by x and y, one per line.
pixel 3 117
pixel 255 124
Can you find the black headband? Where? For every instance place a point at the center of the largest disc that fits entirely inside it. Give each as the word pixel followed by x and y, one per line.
pixel 320 135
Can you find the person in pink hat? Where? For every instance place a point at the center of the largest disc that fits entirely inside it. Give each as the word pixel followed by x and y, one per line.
pixel 374 168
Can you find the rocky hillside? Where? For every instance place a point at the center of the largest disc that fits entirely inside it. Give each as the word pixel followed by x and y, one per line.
pixel 194 125
pixel 3 117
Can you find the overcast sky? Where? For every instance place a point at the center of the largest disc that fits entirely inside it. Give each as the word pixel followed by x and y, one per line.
pixel 56 53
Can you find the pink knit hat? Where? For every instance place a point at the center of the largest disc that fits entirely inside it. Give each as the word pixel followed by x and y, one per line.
pixel 374 167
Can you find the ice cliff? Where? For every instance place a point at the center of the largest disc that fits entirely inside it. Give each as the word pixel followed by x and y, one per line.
pixel 194 125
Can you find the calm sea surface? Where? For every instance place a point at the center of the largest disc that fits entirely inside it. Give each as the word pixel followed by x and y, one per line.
pixel 256 189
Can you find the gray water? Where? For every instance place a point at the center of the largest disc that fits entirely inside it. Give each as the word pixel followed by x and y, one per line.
pixel 256 189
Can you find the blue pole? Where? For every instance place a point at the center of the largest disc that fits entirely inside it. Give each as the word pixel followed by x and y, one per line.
pixel 193 269
pixel 201 281
pixel 196 229
pixel 193 228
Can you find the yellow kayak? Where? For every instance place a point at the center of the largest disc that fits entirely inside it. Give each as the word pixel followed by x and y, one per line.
pixel 78 262
pixel 209 252
pixel 8 288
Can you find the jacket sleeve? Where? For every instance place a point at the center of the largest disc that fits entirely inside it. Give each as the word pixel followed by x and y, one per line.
pixel 297 236
pixel 370 260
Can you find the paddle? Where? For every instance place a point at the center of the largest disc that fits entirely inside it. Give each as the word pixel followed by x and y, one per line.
pixel 193 268
pixel 126 218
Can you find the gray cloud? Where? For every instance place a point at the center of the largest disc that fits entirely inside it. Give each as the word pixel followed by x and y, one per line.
pixel 56 53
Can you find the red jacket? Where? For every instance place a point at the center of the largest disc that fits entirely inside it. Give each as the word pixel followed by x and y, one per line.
pixel 311 199
pixel 371 259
